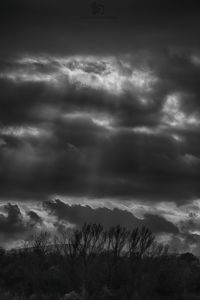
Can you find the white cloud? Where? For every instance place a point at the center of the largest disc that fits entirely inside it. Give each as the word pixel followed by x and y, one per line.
pixel 102 120
pixel 110 74
pixel 147 130
pixel 174 115
pixel 190 159
pixel 20 131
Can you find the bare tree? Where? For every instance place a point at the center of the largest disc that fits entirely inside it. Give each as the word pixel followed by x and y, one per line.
pixel 158 250
pixel 73 246
pixel 133 242
pixel 145 241
pixel 117 239
pixel 39 243
pixel 92 240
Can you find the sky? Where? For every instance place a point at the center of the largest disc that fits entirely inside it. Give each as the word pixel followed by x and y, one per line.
pixel 100 118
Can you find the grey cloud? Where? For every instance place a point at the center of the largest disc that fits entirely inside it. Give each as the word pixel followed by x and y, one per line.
pixel 12 222
pixel 78 157
pixel 15 224
pixel 78 215
pixel 34 218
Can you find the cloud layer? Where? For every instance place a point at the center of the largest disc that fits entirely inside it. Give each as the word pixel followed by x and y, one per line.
pixel 101 127
pixel 18 222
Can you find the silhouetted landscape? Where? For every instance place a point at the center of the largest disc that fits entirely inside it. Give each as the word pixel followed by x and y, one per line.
pixel 93 263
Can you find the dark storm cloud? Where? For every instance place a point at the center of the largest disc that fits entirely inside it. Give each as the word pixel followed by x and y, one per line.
pixel 31 166
pixel 13 221
pixel 126 133
pixel 78 158
pixel 34 218
pixel 17 102
pixel 78 215
pixel 16 225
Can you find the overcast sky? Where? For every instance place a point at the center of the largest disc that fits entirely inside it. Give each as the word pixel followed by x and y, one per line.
pixel 100 117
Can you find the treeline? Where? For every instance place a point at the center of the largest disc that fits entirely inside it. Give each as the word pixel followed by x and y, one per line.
pixel 92 263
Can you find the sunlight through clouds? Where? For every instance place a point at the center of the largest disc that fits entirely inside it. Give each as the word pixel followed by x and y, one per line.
pixel 109 74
